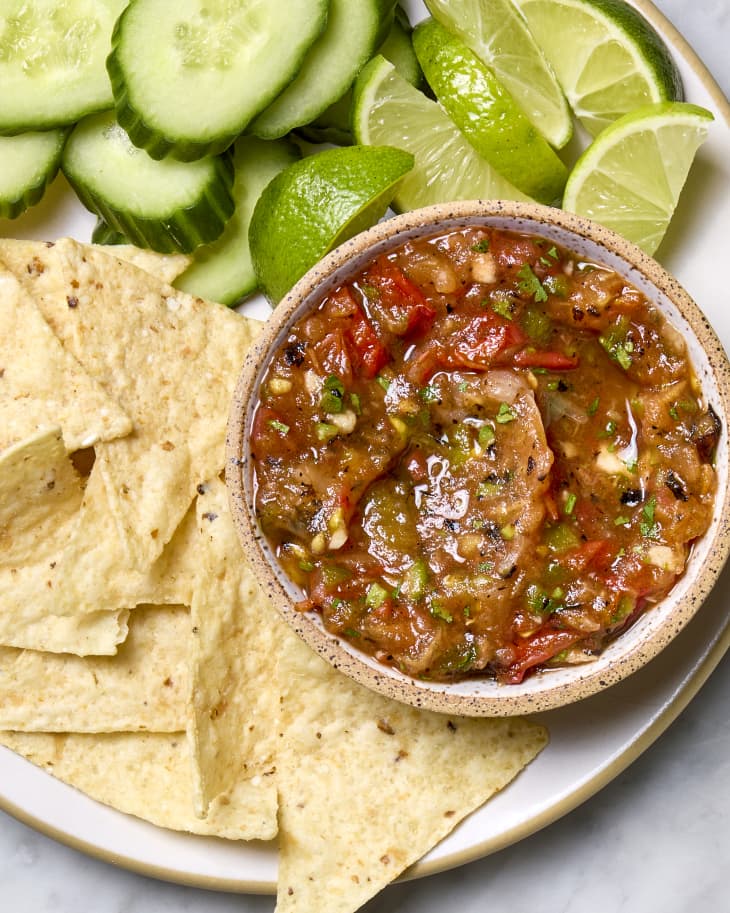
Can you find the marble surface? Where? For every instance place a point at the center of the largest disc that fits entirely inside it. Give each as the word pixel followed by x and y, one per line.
pixel 657 838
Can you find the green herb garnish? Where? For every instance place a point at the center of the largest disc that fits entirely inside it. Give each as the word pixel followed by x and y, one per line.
pixel 481 247
pixel 529 284
pixel 278 426
pixel 649 528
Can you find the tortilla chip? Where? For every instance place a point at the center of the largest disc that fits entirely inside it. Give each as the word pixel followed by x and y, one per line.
pixel 170 358
pixel 95 633
pixel 40 492
pixel 165 267
pixel 42 385
pixel 234 702
pixel 148 775
pixel 144 687
pixel 368 785
pixel 84 569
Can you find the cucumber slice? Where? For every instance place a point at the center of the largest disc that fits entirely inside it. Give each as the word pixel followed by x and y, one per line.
pixel 188 77
pixel 354 30
pixel 333 125
pixel 223 271
pixel 168 206
pixel 104 234
pixel 28 164
pixel 52 58
pixel 398 49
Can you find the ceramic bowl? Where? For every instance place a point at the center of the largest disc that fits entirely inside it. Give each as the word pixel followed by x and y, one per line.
pixel 656 627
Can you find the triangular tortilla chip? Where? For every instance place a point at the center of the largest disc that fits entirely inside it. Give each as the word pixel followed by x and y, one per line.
pixel 40 493
pixel 367 785
pixel 165 267
pixel 148 775
pixel 42 384
pixel 94 633
pixel 176 386
pixel 144 687
pixel 234 702
pixel 82 568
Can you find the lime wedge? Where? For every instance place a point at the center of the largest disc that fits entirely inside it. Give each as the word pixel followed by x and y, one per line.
pixel 630 177
pixel 388 109
pixel 496 32
pixel 316 204
pixel 607 57
pixel 487 114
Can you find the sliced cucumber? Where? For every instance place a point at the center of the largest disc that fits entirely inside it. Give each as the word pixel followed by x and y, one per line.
pixel 354 30
pixel 398 49
pixel 333 125
pixel 168 206
pixel 223 271
pixel 28 164
pixel 104 234
pixel 188 77
pixel 52 59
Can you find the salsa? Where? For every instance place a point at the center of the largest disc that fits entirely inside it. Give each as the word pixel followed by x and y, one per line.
pixel 482 455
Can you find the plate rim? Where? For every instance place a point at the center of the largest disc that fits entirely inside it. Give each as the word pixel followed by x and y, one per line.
pixel 682 697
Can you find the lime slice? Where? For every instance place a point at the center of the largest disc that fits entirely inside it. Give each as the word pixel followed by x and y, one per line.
pixel 607 57
pixel 630 177
pixel 333 125
pixel 316 204
pixel 487 114
pixel 388 109
pixel 496 32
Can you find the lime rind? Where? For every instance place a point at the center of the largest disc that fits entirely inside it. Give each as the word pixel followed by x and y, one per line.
pixel 608 59
pixel 487 115
pixel 317 203
pixel 497 33
pixel 388 109
pixel 222 271
pixel 630 178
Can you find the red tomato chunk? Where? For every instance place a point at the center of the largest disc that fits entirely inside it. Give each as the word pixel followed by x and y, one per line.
pixel 483 456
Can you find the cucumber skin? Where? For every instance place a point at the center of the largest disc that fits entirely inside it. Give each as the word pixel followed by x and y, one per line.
pixel 140 133
pixel 182 231
pixel 333 125
pixel 104 234
pixel 12 208
pixel 269 128
pixel 149 138
pixel 194 280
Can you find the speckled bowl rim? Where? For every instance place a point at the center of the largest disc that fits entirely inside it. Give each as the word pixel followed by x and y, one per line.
pixel 480 696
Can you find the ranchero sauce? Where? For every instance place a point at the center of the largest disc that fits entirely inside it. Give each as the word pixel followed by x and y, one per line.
pixel 482 456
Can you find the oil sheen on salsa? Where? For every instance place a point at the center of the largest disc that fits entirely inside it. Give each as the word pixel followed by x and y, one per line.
pixel 482 456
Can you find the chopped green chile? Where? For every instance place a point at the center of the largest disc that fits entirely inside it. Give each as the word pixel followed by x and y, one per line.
pixel 451 492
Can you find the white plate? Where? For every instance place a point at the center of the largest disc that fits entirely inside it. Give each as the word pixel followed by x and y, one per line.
pixel 590 743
